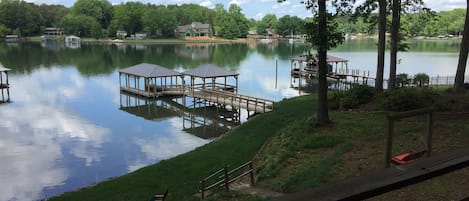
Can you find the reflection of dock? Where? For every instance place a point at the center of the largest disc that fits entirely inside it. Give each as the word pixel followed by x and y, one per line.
pixel 204 120
pixel 4 84
pixel 158 82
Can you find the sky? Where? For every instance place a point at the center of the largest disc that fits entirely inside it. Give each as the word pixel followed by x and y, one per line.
pixel 259 8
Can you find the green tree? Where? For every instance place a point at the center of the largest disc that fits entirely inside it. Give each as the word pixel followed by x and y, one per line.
pixel 290 24
pixel 52 14
pixel 21 16
pixel 128 17
pixel 268 21
pixel 241 22
pixel 101 10
pixel 159 21
pixel 81 25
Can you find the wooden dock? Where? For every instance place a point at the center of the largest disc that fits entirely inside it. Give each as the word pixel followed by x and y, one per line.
pixel 258 105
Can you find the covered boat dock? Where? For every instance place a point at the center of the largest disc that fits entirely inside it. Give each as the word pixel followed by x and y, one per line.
pixel 208 83
pixel 150 80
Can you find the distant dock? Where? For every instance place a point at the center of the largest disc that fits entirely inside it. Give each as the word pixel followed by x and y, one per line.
pixel 307 66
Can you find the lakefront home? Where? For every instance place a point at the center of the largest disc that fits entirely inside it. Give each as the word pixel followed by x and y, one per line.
pixel 196 29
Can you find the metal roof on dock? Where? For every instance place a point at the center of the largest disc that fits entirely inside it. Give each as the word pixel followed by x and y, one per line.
pixel 3 69
pixel 149 70
pixel 210 71
pixel 330 59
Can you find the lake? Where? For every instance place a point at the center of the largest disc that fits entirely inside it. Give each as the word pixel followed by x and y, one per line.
pixel 69 126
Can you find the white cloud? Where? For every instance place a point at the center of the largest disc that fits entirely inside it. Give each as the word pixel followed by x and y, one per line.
pixel 208 4
pixel 238 2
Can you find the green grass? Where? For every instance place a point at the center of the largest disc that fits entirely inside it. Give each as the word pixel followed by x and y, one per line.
pixel 181 174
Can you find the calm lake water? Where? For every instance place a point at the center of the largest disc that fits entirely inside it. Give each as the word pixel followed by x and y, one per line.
pixel 69 126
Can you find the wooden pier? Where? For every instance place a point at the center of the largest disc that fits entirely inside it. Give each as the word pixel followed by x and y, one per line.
pixel 4 85
pixel 151 81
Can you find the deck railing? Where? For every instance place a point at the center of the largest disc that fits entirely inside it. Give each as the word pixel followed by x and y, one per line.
pixel 223 177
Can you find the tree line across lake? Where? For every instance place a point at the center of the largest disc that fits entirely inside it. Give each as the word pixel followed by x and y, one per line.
pixel 100 19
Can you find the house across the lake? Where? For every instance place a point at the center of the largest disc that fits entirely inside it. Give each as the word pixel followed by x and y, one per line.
pixel 196 29
pixel 52 33
pixel 121 34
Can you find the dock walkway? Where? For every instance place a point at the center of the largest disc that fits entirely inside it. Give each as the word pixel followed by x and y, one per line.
pixel 258 105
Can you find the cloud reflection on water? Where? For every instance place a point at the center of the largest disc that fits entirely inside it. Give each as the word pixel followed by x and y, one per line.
pixel 34 130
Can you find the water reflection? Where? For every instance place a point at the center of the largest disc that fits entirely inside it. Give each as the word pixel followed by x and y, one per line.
pixel 34 131
pixel 202 119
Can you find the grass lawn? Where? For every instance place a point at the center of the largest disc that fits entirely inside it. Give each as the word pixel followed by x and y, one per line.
pixel 181 174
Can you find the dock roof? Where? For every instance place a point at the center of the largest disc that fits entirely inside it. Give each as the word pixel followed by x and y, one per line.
pixel 3 69
pixel 330 59
pixel 210 71
pixel 149 70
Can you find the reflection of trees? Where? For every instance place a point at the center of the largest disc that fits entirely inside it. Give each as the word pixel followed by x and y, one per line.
pixel 230 55
pixel 286 50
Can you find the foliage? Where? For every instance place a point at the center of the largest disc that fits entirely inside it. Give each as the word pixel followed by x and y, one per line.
pixel 269 21
pixel 335 36
pixel 356 96
pixel 128 17
pixel 159 21
pixel 21 16
pixel 290 24
pixel 52 14
pixel 421 79
pixel 81 25
pixel 404 99
pixel 402 79
pixel 230 24
pixel 100 10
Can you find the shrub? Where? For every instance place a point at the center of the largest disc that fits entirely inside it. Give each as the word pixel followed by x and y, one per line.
pixel 421 79
pixel 357 95
pixel 406 99
pixel 402 79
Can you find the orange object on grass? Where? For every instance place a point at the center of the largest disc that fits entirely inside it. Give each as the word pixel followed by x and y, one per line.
pixel 406 158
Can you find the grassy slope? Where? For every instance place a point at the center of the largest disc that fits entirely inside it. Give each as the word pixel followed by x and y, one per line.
pixel 182 173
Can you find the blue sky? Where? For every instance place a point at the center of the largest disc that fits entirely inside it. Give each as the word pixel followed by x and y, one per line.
pixel 258 8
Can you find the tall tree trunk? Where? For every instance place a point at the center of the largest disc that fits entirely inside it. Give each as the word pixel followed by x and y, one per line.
pixel 463 51
pixel 396 14
pixel 323 110
pixel 381 45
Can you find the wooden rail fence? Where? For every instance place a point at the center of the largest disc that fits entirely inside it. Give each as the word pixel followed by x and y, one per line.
pixel 223 177
pixel 250 103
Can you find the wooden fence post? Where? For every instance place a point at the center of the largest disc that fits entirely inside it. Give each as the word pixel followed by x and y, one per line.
pixel 202 189
pixel 227 188
pixel 251 169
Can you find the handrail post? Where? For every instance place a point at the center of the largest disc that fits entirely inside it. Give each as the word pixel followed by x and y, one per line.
pixel 202 188
pixel 227 188
pixel 251 173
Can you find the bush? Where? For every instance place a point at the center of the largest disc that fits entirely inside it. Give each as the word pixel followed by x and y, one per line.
pixel 421 79
pixel 404 99
pixel 402 79
pixel 357 95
